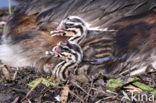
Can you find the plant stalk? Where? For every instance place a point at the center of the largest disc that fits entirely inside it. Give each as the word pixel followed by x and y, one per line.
pixel 9 7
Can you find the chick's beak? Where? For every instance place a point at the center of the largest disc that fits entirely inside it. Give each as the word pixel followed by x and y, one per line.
pixel 58 50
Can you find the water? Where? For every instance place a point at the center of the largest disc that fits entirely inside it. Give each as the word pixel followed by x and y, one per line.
pixel 4 3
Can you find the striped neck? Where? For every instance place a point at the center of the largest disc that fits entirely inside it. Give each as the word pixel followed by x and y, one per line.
pixel 75 52
pixel 63 69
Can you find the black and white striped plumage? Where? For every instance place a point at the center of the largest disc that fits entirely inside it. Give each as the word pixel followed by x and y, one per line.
pixel 73 27
pixel 71 55
pixel 74 60
pixel 76 29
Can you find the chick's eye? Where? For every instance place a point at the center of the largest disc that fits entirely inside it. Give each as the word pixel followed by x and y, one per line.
pixel 68 19
pixel 69 55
